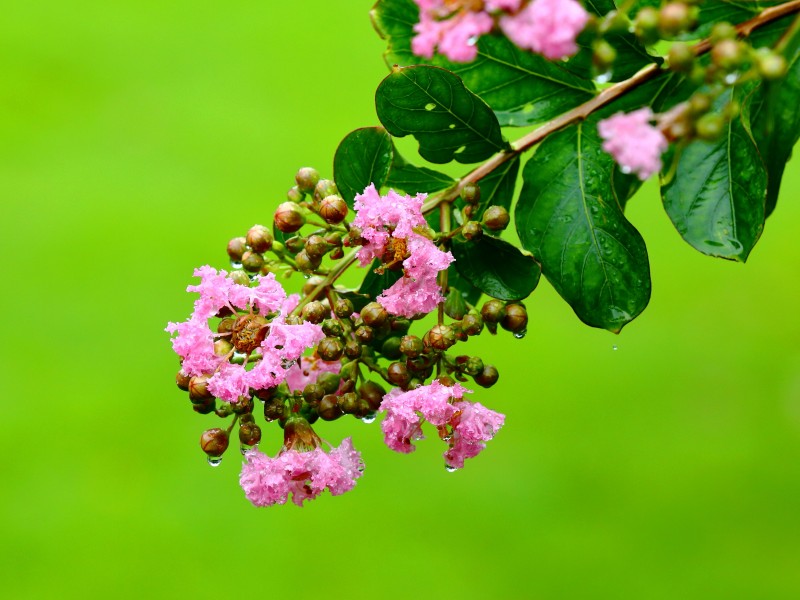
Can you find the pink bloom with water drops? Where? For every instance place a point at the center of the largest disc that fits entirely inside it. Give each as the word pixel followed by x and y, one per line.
pixel 473 426
pixel 547 27
pixel 454 33
pixel 634 142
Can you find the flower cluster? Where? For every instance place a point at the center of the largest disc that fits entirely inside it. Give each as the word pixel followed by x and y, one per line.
pixel 464 425
pixel 389 227
pixel 256 324
pixel 634 143
pixel 547 27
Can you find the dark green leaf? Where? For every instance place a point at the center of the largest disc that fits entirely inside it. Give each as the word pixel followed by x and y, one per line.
pixel 496 267
pixel 567 217
pixel 497 188
pixel 412 179
pixel 448 120
pixel 716 198
pixel 469 292
pixel 359 300
pixel 363 157
pixel 521 87
pixel 374 283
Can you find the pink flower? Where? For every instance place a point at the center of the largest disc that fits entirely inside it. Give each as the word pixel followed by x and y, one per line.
pixel 634 143
pixel 388 224
pixel 307 369
pixel 195 345
pixel 548 27
pixel 464 425
pixel 506 5
pixel 455 33
pixel 304 474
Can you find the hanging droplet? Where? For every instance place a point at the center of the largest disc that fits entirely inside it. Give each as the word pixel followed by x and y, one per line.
pixel 369 418
pixel 614 347
pixel 626 169
pixel 520 334
pixel 214 461
pixel 604 77
pixel 235 265
pixel 243 448
pixel 450 468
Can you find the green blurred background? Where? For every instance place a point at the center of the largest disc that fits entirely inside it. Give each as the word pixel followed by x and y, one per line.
pixel 136 138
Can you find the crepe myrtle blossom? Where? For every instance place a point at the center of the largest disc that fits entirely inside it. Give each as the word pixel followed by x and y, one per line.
pixel 548 27
pixel 389 228
pixel 307 369
pixel 464 425
pixel 634 143
pixel 301 468
pixel 257 325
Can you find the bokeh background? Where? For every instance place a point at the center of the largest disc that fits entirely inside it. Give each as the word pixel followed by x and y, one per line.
pixel 136 138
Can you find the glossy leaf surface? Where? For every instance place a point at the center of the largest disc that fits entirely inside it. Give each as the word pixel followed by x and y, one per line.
pixel 496 267
pixel 364 156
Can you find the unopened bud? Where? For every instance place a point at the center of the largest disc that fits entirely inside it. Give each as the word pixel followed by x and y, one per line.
pixel 397 373
pixel 372 393
pixel 198 388
pixel 343 308
pixel 329 408
pixel 252 261
pixel 294 194
pixel 472 324
pixel 646 25
pixel 771 65
pixel 182 379
pixel 314 312
pixel 352 349
pixel 333 209
pixel 236 247
pixel 440 337
pixel 259 238
pixel 471 193
pixel 374 314
pixel 313 393
pixel 474 366
pixel 675 18
pixel 391 348
pixel 323 189
pixel 710 126
pixel 603 55
pixel 349 402
pixel 364 334
pixel 288 217
pixel 330 348
pixel 722 31
pixel 214 442
pixel 306 263
pixel 488 377
pixel 472 230
pixel 329 381
pixel 306 178
pixel 727 54
pixel 332 327
pixel 496 218
pixel 222 347
pixel 249 434
pixel 240 277
pixel 316 247
pixel 699 104
pixel 681 57
pixel 516 319
pixel 493 311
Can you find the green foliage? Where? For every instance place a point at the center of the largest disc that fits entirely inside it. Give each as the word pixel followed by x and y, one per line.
pixel 412 179
pixel 364 156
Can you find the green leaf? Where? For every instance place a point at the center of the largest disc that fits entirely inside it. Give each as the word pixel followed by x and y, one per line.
pixel 496 267
pixel 374 283
pixel 469 292
pixel 717 197
pixel 364 156
pixel 776 126
pixel 567 217
pixel 497 188
pixel 414 180
pixel 448 120
pixel 521 87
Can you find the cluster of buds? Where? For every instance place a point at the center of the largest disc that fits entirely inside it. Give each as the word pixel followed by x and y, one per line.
pixel 333 352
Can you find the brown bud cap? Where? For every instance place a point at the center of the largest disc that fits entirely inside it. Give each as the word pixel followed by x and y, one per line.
pixel 397 373
pixel 316 247
pixel 198 388
pixel 472 324
pixel 332 327
pixel 330 348
pixel 493 311
pixel 727 54
pixel 516 319
pixel 259 238
pixel 364 334
pixel 294 194
pixel 329 408
pixel 311 284
pixel 471 193
pixel 222 347
pixel 214 442
pixel 295 244
pixel 374 314
pixel 488 377
pixel 446 380
pixel 675 18
pixel 372 393
pixel 306 178
pixel 204 407
pixel 313 393
pixel 252 261
pixel 329 381
pixel 333 209
pixel 236 247
pixel 323 189
pixel 306 263
pixel 314 312
pixel 472 230
pixel 334 238
pixel 343 308
pixel 288 217
pixel 274 409
pixel 349 402
pixel 474 366
pixel 239 277
pixel 352 349
pixel 440 337
pixel 249 434
pixel 411 346
pixel 182 379
pixel 496 218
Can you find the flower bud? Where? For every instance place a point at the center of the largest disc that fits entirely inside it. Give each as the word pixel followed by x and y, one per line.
pixel 329 408
pixel 496 218
pixel 446 380
pixel 288 217
pixel 488 377
pixel 295 244
pixel 440 337
pixel 252 261
pixel 727 54
pixel 329 381
pixel 391 348
pixel 294 194
pixel 239 277
pixel 323 189
pixel 204 407
pixel 310 285
pixel 675 18
pixel 472 230
pixel 710 126
pixel 471 193
pixel 274 409
pixel 332 328
pixel 516 319
pixel 314 312
pixel 722 31
pixel 316 247
pixel 306 178
pixel 397 374
pixel 313 393
pixel 374 314
pixel 770 65
pixel 472 324
pixel 214 442
pixel 603 56
pixel 222 347
pixel 411 346
pixel 348 402
pixel 249 434
pixel 259 238
pixel 699 104
pixel 236 247
pixel 681 57
pixel 454 305
pixel 372 393
pixel 182 379
pixel 198 388
pixel 343 308
pixel 306 263
pixel 352 349
pixel 646 25
pixel 364 334
pixel 330 348
pixel 493 311
pixel 333 209
pixel 474 366
pixel 334 238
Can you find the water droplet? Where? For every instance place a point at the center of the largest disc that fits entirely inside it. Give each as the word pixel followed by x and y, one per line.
pixel 472 40
pixel 430 106
pixel 214 461
pixel 450 468
pixel 614 347
pixel 286 363
pixel 236 264
pixel 731 78
pixel 625 169
pixel 520 334
pixel 243 448
pixel 603 77
pixel 369 418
